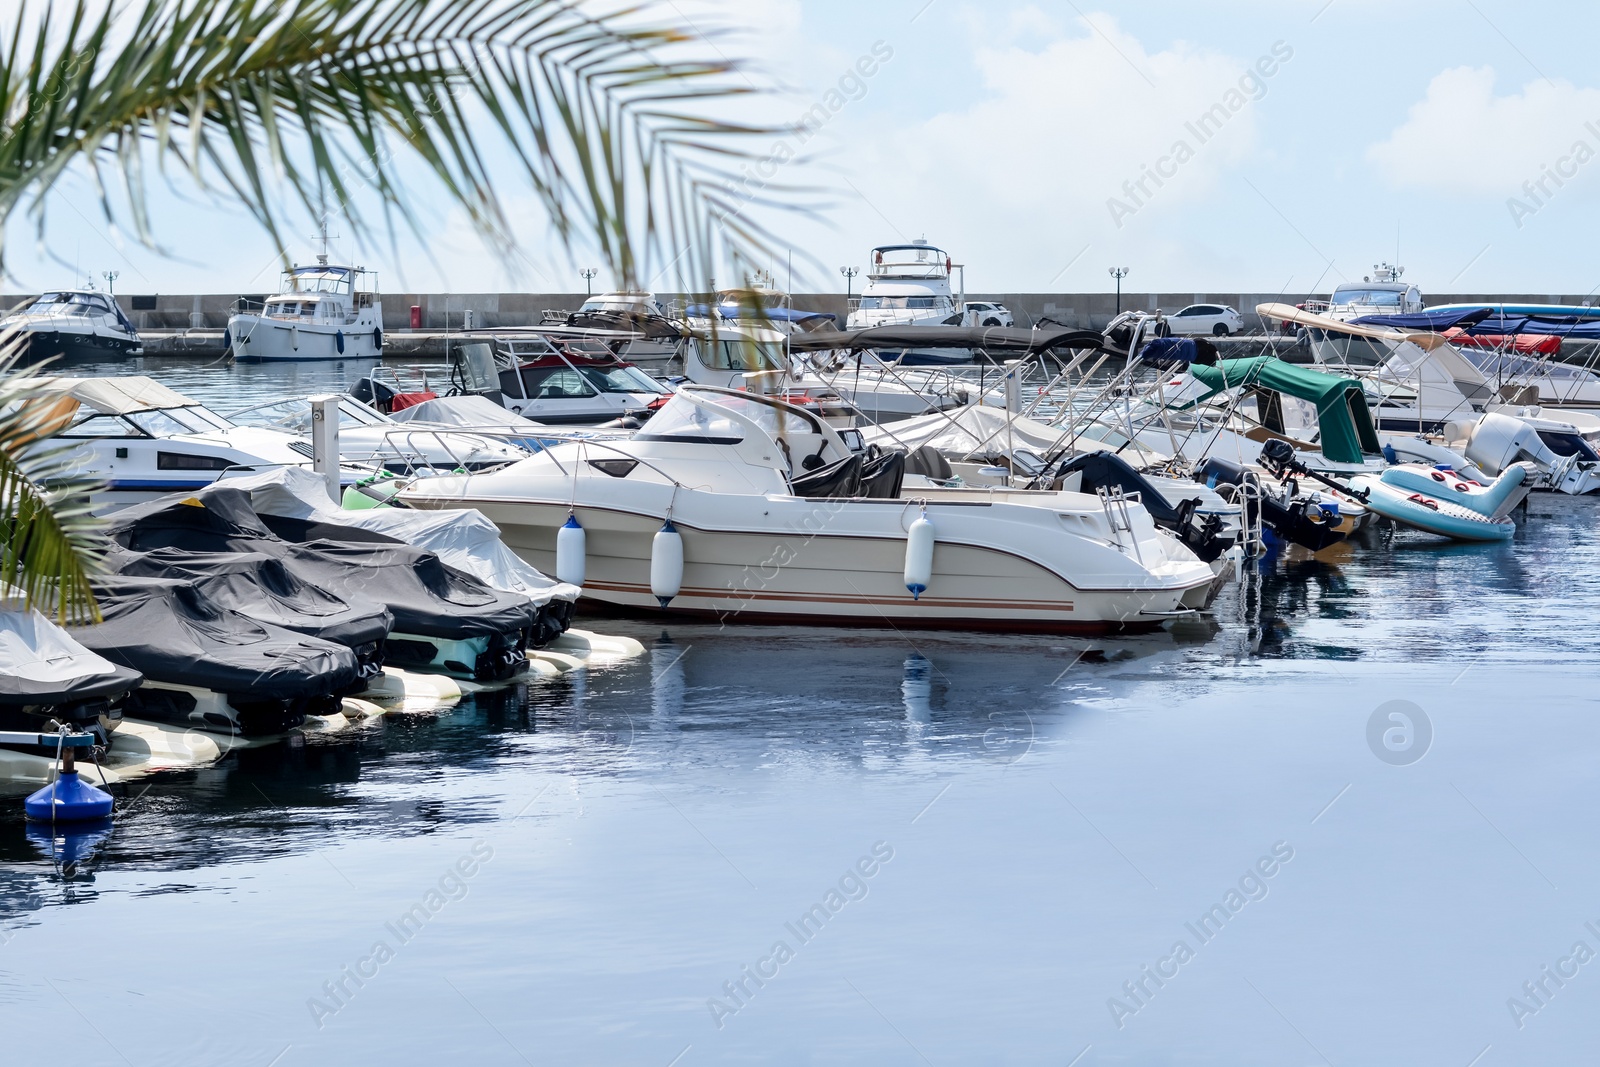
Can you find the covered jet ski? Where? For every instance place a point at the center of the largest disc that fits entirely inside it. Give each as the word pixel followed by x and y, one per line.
pixel 210 667
pixel 260 587
pixel 465 539
pixel 444 619
pixel 49 679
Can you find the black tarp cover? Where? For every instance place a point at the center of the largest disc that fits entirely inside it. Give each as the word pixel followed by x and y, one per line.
pixel 170 632
pixel 260 587
pixel 425 596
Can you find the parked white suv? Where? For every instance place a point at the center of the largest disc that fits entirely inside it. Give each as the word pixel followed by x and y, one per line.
pixel 1196 320
pixel 987 313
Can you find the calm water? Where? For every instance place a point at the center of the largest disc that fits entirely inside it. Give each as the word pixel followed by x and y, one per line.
pixel 1042 818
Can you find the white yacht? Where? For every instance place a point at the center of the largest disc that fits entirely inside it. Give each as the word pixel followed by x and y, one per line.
pixel 909 285
pixel 321 312
pixel 654 337
pixel 76 324
pixel 140 439
pixel 1379 293
pixel 739 506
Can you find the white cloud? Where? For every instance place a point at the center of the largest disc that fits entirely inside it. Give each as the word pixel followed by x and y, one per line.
pixel 1462 138
pixel 1055 129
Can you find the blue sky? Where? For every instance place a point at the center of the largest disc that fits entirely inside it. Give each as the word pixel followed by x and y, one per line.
pixel 1006 132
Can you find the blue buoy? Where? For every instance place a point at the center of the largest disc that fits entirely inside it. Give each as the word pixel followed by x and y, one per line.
pixel 338 341
pixel 68 799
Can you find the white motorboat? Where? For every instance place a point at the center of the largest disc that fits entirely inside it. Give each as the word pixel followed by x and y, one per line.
pixel 140 439
pixel 1420 385
pixel 1379 293
pixel 369 437
pixel 909 285
pixel 737 505
pixel 321 312
pixel 649 333
pixel 76 324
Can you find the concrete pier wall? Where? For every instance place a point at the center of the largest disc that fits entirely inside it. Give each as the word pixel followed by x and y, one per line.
pixel 493 310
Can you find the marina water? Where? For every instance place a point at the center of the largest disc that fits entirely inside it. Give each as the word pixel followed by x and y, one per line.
pixel 600 867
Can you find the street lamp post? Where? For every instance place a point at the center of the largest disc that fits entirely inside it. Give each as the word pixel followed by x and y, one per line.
pixel 849 276
pixel 588 279
pixel 111 280
pixel 1118 273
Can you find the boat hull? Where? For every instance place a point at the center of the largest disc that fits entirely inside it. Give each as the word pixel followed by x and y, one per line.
pixel 52 344
pixel 256 339
pixel 809 567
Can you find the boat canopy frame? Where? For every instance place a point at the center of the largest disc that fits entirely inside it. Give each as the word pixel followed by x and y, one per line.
pixel 1347 434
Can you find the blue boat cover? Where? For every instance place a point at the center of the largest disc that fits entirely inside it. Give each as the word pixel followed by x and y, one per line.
pixel 740 311
pixel 1430 321
pixel 1179 351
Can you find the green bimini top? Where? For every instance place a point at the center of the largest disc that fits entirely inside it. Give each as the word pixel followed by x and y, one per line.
pixel 1342 413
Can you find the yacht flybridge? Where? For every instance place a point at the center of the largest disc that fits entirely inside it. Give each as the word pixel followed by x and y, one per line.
pixel 735 505
pixel 77 324
pixel 321 312
pixel 909 285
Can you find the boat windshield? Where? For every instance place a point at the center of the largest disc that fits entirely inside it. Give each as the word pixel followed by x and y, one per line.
pixel 71 303
pixel 1375 298
pixel 702 417
pixel 621 380
pixel 744 355
pixel 170 422
pixel 294 416
pixel 320 280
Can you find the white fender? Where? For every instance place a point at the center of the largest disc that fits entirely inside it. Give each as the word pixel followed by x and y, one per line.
pixel 666 563
pixel 919 556
pixel 571 552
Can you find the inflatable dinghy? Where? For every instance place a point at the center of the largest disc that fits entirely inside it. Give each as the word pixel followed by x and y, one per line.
pixel 1443 503
pixel 444 619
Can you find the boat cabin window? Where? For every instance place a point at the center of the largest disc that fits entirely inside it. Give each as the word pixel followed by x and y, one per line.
pixel 895 303
pixel 744 355
pixel 1374 298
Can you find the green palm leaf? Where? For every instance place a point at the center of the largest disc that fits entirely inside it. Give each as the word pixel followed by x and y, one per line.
pixel 311 105
pixel 50 542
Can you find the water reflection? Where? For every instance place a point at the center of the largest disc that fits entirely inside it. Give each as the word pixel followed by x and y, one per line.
pixel 862 702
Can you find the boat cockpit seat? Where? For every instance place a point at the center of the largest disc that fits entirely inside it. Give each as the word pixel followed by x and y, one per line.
pixel 883 474
pixel 841 478
pixel 930 463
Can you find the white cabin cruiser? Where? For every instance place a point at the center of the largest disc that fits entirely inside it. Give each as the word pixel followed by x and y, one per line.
pixel 369 437
pixel 909 285
pixel 1380 293
pixel 141 439
pixel 652 335
pixel 735 505
pixel 76 324
pixel 321 312
pixel 743 356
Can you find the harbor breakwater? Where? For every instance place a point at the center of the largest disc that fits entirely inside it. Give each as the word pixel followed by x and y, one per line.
pixel 449 311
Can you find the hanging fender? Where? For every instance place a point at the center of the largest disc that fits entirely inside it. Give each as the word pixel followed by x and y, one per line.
pixel 919 556
pixel 571 552
pixel 338 341
pixel 666 563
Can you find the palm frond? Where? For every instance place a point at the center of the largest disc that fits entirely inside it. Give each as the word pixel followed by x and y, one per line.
pixel 308 104
pixel 50 541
